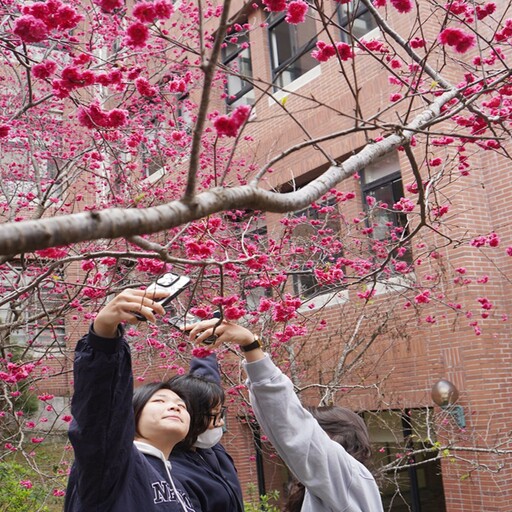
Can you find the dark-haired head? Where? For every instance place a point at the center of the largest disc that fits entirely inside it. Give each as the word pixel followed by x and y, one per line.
pixel 344 427
pixel 142 394
pixel 202 397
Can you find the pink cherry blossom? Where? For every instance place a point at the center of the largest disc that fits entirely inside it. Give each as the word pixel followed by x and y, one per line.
pixel 137 35
pixel 30 29
pixel 402 6
pixel 297 10
pixel 458 39
pixel 109 5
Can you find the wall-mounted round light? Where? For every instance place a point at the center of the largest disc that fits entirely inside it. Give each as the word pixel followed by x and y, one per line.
pixel 445 394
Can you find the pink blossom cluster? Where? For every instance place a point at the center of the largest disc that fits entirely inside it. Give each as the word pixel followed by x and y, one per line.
pixel 94 116
pixel 151 266
pixel 109 5
pixel 53 253
pixel 373 45
pixel 137 34
pixel 41 18
pixel 289 332
pixel 282 311
pixel 144 88
pixel 4 130
pixel 296 12
pixel 505 33
pixel 485 303
pixel 417 42
pixel 404 205
pixel 402 6
pixel 492 240
pixel 72 78
pixel 44 69
pixel 199 249
pixel 201 352
pixel 325 51
pixel 423 297
pixel 274 5
pixel 229 125
pixel 459 40
pixel 330 275
pixel 149 12
pixel 15 373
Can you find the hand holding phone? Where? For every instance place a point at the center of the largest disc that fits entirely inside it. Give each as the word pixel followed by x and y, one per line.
pixel 172 284
pixel 183 322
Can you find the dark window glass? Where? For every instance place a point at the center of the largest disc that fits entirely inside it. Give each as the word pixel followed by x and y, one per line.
pixel 317 236
pixel 388 225
pixel 237 57
pixel 418 488
pixel 355 20
pixel 290 49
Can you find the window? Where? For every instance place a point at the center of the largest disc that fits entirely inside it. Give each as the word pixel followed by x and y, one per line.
pixel 382 180
pixel 184 117
pixel 355 20
pixel 290 49
pixel 316 240
pixel 236 56
pixel 394 434
pixel 37 312
pixel 152 150
pixel 251 230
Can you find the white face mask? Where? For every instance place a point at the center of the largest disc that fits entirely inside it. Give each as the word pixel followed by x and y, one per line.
pixel 209 438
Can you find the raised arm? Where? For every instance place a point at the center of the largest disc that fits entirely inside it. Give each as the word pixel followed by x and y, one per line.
pixel 102 429
pixel 328 472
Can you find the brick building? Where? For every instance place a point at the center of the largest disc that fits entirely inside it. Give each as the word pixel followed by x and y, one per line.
pixel 406 349
pixel 420 348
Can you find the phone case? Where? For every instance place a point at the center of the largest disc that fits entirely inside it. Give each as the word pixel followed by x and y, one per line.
pixel 172 284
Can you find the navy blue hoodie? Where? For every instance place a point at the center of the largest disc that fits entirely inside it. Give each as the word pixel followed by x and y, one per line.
pixel 109 472
pixel 208 475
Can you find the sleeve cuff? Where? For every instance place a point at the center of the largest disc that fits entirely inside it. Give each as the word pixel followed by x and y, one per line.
pixel 106 345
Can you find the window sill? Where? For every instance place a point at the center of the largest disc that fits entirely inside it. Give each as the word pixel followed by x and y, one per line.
pixel 329 298
pixel 303 80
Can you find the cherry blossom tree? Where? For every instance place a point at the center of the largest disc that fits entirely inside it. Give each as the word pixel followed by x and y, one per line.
pixel 119 161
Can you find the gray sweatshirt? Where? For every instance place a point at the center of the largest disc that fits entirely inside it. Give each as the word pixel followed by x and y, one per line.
pixel 334 480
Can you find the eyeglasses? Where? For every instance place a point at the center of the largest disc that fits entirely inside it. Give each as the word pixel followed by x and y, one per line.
pixel 217 417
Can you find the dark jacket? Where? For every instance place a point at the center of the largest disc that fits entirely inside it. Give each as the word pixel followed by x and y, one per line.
pixel 208 475
pixel 109 472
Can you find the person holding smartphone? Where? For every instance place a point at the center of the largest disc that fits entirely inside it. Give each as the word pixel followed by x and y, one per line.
pixel 122 439
pixel 201 463
pixel 330 467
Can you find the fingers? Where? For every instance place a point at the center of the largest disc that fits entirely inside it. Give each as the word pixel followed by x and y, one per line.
pixel 226 332
pixel 130 302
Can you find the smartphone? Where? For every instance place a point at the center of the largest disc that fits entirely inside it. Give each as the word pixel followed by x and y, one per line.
pixel 182 321
pixel 172 284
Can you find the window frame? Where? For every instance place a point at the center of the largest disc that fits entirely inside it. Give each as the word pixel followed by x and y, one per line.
pixel 227 59
pixel 277 69
pixel 317 288
pixel 399 219
pixel 346 20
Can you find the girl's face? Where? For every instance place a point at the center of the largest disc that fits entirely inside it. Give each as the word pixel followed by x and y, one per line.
pixel 163 419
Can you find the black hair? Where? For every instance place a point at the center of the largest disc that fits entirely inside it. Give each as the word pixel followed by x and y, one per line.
pixel 346 428
pixel 202 395
pixel 142 394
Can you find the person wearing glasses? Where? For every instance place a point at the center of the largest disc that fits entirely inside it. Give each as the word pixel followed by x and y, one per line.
pixel 326 449
pixel 200 462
